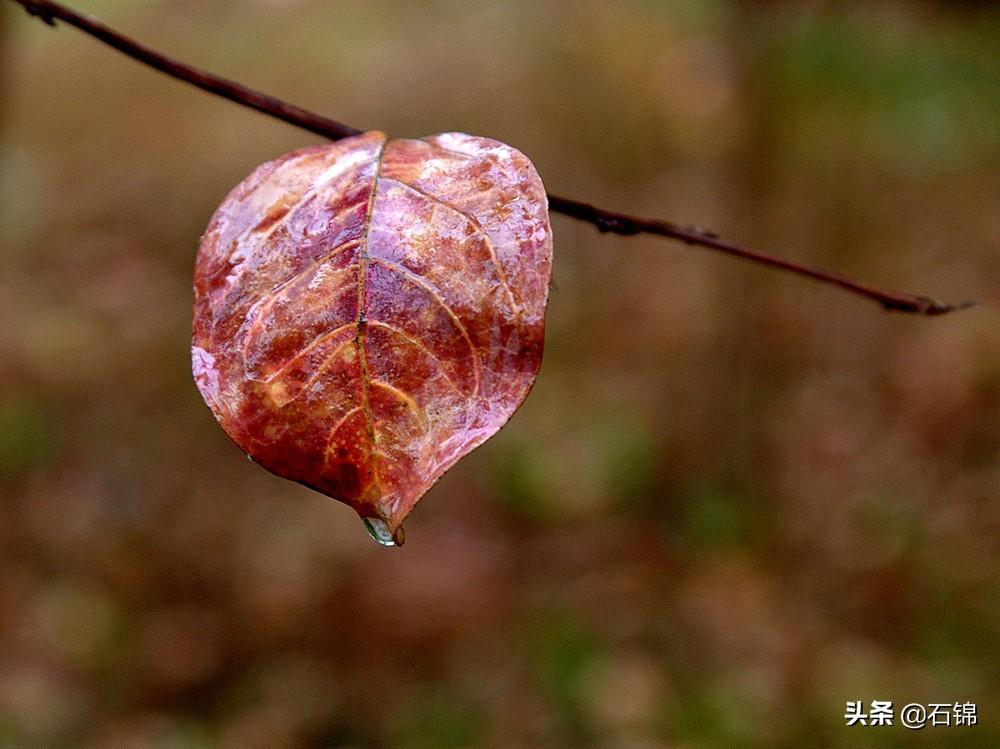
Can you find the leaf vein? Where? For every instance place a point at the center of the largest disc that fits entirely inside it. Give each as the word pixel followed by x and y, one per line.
pixel 494 258
pixel 423 348
pixel 416 280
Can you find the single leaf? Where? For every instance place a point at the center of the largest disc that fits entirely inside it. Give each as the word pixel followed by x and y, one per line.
pixel 369 311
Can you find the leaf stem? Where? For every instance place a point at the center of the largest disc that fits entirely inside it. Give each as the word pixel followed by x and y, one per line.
pixel 604 220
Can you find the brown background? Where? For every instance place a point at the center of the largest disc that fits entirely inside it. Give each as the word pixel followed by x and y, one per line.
pixel 734 499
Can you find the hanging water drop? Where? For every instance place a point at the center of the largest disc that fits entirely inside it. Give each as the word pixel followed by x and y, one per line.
pixel 379 530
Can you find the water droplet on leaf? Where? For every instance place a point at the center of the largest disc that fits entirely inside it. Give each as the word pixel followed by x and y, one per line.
pixel 379 530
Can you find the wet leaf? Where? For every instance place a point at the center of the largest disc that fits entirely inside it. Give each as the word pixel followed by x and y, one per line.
pixel 369 311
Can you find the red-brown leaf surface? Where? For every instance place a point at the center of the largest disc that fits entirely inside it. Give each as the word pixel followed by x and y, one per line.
pixel 369 311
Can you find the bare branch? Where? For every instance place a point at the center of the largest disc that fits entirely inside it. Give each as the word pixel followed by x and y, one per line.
pixel 49 12
pixel 620 223
pixel 604 220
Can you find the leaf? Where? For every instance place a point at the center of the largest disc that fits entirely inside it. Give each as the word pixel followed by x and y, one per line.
pixel 369 311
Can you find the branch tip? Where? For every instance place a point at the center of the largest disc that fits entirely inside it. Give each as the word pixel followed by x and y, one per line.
pixel 935 307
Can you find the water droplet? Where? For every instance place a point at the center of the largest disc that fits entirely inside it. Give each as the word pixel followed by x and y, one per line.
pixel 379 530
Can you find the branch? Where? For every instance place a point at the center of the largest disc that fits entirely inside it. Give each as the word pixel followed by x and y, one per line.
pixel 604 220
pixel 620 223
pixel 49 12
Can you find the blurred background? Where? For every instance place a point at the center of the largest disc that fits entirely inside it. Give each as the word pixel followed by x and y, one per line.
pixel 734 499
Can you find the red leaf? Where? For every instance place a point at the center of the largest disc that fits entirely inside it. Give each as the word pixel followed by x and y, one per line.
pixel 369 311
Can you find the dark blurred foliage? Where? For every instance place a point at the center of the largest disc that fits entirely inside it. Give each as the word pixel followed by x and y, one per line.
pixel 734 499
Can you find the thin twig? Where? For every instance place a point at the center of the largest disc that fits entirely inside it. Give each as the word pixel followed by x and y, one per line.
pixel 620 223
pixel 604 220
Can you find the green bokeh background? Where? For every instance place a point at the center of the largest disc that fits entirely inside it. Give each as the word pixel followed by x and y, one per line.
pixel 733 501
